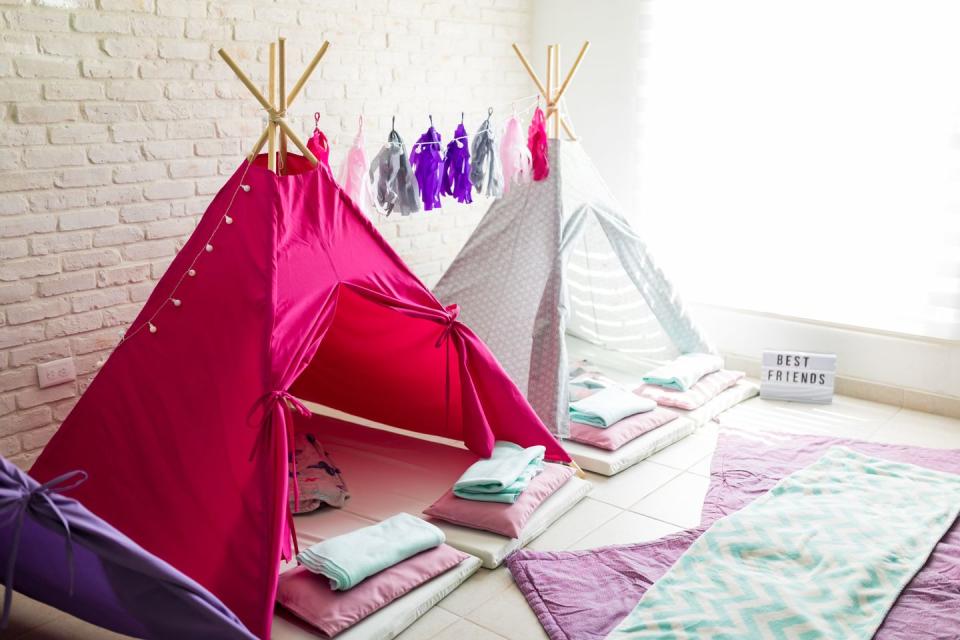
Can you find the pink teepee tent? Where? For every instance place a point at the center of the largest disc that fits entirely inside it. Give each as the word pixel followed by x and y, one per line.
pixel 284 288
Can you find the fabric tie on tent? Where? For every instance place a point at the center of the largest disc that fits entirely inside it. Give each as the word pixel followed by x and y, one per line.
pixel 453 312
pixel 22 504
pixel 448 316
pixel 273 403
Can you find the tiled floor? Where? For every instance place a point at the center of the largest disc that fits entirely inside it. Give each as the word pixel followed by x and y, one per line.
pixel 658 496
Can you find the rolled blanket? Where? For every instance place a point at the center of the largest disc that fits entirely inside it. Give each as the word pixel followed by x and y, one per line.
pixel 348 559
pixel 683 373
pixel 503 476
pixel 609 406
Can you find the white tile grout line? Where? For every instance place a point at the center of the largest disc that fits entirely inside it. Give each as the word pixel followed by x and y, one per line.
pixel 620 511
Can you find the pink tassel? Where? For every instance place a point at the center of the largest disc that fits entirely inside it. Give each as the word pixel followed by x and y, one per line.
pixel 514 156
pixel 537 142
pixel 353 174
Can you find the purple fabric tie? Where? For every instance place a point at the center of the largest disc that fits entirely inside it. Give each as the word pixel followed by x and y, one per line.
pixel 21 504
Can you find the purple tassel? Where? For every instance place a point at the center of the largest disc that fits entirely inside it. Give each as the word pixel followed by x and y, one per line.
pixel 428 166
pixel 456 168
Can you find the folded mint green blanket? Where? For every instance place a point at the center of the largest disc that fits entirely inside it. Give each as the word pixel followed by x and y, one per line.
pixel 609 406
pixel 503 476
pixel 684 372
pixel 349 559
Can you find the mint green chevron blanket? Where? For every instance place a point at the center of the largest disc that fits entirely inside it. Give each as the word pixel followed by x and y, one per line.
pixel 823 554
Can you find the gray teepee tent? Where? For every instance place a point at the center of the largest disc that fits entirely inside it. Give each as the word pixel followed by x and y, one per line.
pixel 553 259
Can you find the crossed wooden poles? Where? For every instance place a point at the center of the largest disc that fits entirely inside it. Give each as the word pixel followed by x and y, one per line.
pixel 277 111
pixel 553 90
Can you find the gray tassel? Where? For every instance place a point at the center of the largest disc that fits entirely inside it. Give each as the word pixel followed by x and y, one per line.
pixel 393 178
pixel 486 174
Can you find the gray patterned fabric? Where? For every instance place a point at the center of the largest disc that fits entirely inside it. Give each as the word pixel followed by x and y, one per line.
pixel 554 258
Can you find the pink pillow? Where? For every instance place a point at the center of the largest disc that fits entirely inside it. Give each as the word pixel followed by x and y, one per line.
pixel 707 388
pixel 505 519
pixel 622 432
pixel 309 596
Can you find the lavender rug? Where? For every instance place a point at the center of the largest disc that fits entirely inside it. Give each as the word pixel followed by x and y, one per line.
pixel 583 595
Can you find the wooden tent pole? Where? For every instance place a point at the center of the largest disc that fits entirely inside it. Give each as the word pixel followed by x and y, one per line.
pixel 282 107
pixel 262 140
pixel 272 94
pixel 576 467
pixel 247 82
pixel 552 94
pixel 573 69
pixel 550 107
pixel 277 115
pixel 556 82
pixel 306 72
pixel 298 142
pixel 530 71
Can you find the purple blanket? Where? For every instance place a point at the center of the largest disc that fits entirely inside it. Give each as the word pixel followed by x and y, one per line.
pixel 583 595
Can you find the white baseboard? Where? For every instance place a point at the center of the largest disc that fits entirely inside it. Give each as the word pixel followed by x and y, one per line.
pixel 907 398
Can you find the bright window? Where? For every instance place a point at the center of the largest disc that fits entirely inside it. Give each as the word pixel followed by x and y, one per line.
pixel 803 158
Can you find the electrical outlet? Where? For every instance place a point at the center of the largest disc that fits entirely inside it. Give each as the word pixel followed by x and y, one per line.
pixel 56 372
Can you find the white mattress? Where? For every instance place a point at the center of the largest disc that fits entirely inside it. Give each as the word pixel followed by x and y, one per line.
pixel 608 463
pixel 389 621
pixel 387 472
pixel 743 390
pixel 492 549
pixel 630 374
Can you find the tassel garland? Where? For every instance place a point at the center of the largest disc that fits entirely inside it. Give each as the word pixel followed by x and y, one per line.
pixel 456 168
pixel 353 174
pixel 396 187
pixel 514 156
pixel 537 142
pixel 428 166
pixel 319 147
pixel 486 174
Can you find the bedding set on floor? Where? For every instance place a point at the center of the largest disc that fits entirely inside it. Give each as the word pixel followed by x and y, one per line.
pixel 343 580
pixel 501 493
pixel 801 536
pixel 348 577
pixel 605 415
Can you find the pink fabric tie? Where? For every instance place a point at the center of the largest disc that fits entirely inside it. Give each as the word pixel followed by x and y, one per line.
pixel 452 313
pixel 273 401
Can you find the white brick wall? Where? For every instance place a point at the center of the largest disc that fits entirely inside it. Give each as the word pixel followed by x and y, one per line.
pixel 118 122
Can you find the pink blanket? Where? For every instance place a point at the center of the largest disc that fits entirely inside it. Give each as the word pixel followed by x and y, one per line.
pixel 582 595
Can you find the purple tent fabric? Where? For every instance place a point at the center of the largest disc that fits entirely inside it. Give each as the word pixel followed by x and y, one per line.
pixel 54 550
pixel 583 595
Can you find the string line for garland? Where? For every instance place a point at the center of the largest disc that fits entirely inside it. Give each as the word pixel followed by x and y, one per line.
pixel 531 102
pixel 191 270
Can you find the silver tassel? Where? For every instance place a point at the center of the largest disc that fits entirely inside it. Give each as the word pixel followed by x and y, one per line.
pixel 486 174
pixel 393 178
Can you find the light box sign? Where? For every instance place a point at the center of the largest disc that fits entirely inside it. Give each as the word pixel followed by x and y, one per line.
pixel 798 376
